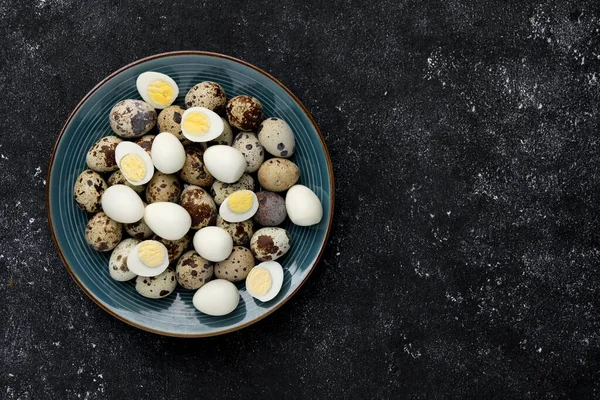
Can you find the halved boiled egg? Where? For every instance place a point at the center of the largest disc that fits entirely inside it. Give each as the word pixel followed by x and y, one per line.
pixel 158 90
pixel 148 258
pixel 134 162
pixel 199 124
pixel 239 206
pixel 265 280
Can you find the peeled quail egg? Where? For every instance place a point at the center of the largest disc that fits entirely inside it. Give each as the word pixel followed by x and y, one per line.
pixel 168 220
pixel 239 206
pixel 158 90
pixel 135 164
pixel 217 297
pixel 265 280
pixel 168 154
pixel 225 163
pixel 213 243
pixel 122 204
pixel 199 124
pixel 303 206
pixel 148 258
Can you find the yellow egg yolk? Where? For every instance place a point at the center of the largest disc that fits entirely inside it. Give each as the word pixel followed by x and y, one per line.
pixel 151 253
pixel 196 123
pixel 240 202
pixel 259 281
pixel 133 167
pixel 161 93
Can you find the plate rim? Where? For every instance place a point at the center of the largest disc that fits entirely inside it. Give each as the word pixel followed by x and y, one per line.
pixel 193 53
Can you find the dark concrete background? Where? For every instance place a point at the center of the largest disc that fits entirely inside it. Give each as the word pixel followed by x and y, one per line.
pixel 464 259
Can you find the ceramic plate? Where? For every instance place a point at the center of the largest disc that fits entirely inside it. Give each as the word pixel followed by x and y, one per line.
pixel 175 314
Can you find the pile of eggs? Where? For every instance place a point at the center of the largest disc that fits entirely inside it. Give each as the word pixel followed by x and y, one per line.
pixel 181 183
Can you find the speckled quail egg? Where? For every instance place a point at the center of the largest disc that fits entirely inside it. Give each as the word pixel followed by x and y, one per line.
pixel 277 137
pixel 303 206
pixel 217 297
pixel 145 142
pixel 224 163
pixel 244 113
pixel 247 143
pixel 132 118
pixel 271 209
pixel 101 156
pixel 134 163
pixel 175 248
pixel 158 90
pixel 225 138
pixel 236 267
pixel 240 232
pixel 265 281
pixel 220 190
pixel 168 220
pixel 117 178
pixel 268 244
pixel 156 287
pixel 199 205
pixel 194 170
pixel 208 95
pixel 103 233
pixel 278 174
pixel 213 244
pixel 239 206
pixel 122 204
pixel 193 271
pixel 168 154
pixel 200 124
pixel 163 187
pixel 139 230
pixel 117 264
pixel 88 189
pixel 169 120
pixel 148 258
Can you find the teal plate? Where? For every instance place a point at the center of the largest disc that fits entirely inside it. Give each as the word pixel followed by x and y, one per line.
pixel 175 314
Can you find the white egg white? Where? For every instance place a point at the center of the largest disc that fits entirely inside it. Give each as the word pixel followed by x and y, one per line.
pixel 214 131
pixel 145 79
pixel 230 216
pixel 213 243
pixel 125 148
pixel 217 297
pixel 136 265
pixel 168 154
pixel 122 204
pixel 168 220
pixel 225 163
pixel 276 272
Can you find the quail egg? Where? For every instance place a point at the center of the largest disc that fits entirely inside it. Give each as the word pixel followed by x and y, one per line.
pixel 135 164
pixel 200 124
pixel 158 90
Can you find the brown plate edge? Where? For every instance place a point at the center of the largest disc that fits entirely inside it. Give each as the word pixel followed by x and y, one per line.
pixel 179 53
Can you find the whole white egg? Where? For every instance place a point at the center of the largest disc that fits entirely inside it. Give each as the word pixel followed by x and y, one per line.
pixel 303 206
pixel 213 243
pixel 217 297
pixel 158 90
pixel 168 154
pixel 134 162
pixel 225 163
pixel 122 204
pixel 168 220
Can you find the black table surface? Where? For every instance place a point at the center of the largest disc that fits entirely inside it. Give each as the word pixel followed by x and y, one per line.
pixel 465 250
